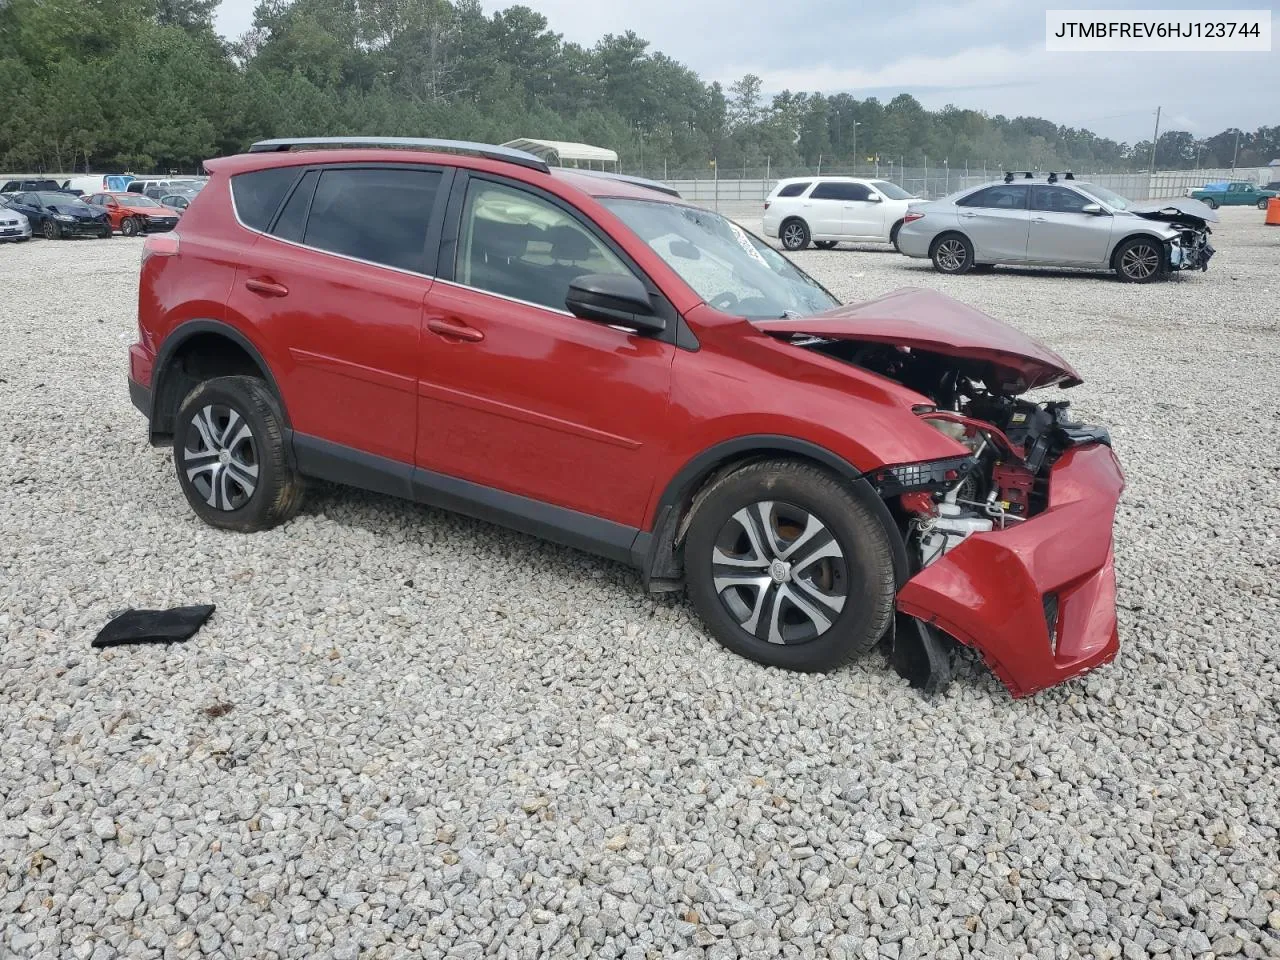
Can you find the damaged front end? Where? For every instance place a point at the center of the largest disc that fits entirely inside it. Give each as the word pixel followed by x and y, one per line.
pixel 1010 542
pixel 1187 245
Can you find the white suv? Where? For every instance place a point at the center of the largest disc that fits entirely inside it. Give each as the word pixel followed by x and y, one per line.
pixel 827 210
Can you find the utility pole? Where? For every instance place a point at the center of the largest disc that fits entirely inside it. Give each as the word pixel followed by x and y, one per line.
pixel 856 125
pixel 1236 151
pixel 1155 138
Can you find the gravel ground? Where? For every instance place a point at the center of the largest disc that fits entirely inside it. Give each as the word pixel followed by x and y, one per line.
pixel 409 734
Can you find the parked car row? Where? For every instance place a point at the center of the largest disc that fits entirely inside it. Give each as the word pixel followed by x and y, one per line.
pixel 1024 219
pixel 59 215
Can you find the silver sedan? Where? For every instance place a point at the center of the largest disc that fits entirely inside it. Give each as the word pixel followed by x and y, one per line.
pixel 14 227
pixel 1035 221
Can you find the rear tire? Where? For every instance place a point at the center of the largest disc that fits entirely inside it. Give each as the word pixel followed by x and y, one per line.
pixel 952 253
pixel 1140 260
pixel 814 572
pixel 794 235
pixel 824 244
pixel 230 457
pixel 893 235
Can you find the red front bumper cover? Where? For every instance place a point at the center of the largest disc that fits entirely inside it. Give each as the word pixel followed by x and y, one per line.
pixel 1037 600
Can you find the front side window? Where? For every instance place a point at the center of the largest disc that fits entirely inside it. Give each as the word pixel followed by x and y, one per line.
pixel 1109 197
pixel 1057 200
pixel 892 190
pixel 378 214
pixel 1003 197
pixel 835 190
pixel 518 245
pixel 725 265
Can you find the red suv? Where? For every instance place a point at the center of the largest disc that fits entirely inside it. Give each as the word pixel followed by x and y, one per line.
pixel 590 359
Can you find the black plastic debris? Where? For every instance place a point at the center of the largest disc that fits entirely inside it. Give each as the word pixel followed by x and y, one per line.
pixel 154 626
pixel 921 655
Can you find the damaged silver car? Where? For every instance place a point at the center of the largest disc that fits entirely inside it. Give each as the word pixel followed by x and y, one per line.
pixel 1058 221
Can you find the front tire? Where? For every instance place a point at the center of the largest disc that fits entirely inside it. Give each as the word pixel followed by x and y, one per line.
pixel 1262 204
pixel 1140 260
pixel 230 457
pixel 952 253
pixel 794 235
pixel 129 227
pixel 51 230
pixel 787 567
pixel 1211 203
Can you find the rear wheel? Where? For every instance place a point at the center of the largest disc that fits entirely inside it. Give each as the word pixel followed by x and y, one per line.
pixel 893 235
pixel 1140 260
pixel 51 230
pixel 229 453
pixel 952 253
pixel 129 227
pixel 786 566
pixel 795 235
pixel 824 244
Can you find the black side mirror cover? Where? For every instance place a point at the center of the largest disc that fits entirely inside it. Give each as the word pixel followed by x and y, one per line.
pixel 615 299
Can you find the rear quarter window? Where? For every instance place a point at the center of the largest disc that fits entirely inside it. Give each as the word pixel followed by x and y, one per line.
pixel 258 194
pixel 794 189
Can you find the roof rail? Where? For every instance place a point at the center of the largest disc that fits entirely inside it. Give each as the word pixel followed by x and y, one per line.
pixel 626 178
pixel 487 150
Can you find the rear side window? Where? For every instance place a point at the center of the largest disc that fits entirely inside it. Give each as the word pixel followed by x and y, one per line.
pixel 380 215
pixel 840 191
pixel 794 189
pixel 1010 197
pixel 292 221
pixel 257 195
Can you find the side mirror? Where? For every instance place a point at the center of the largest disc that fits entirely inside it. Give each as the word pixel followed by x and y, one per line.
pixel 615 299
pixel 875 198
pixel 1092 208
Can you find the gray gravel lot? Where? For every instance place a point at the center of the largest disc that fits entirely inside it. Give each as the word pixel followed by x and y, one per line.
pixel 409 734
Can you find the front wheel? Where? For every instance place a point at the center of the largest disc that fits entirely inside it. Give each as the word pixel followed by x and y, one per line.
pixel 952 254
pixel 229 453
pixel 787 567
pixel 795 235
pixel 129 227
pixel 1211 203
pixel 51 230
pixel 1262 204
pixel 1140 260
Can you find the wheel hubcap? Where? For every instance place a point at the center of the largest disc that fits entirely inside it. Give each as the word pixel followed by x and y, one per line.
pixel 1140 262
pixel 220 457
pixel 951 254
pixel 779 572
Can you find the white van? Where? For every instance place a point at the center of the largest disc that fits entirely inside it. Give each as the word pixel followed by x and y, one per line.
pixel 99 183
pixel 826 210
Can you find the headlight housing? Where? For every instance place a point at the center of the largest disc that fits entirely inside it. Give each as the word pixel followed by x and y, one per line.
pixel 64 217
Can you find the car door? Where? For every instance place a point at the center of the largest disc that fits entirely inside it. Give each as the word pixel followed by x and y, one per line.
pixel 335 282
pixel 823 210
pixel 515 393
pixel 1237 194
pixel 997 220
pixel 1061 232
pixel 861 211
pixel 32 209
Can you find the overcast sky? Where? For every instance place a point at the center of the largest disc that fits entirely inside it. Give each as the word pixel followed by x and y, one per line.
pixel 983 54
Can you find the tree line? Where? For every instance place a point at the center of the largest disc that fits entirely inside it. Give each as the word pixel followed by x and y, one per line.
pixel 148 85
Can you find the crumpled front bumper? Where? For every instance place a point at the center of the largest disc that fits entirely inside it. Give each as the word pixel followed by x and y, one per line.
pixel 1037 600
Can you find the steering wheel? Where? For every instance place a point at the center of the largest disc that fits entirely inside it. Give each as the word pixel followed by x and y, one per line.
pixel 725 301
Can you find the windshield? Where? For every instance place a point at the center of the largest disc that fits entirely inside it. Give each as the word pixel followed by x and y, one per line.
pixel 726 266
pixel 59 199
pixel 1112 200
pixel 892 190
pixel 136 200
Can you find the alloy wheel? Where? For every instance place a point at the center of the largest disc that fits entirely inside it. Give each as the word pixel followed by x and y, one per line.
pixel 50 230
pixel 951 254
pixel 780 572
pixel 1140 261
pixel 792 236
pixel 220 457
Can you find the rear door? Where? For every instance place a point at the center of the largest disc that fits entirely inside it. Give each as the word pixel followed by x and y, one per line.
pixel 336 279
pixel 1062 233
pixel 823 210
pixel 998 221
pixel 516 393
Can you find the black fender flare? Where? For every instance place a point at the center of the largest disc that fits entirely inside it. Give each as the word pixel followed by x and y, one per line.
pixel 653 552
pixel 184 332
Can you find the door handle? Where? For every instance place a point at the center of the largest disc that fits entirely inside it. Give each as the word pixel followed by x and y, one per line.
pixel 968 216
pixel 455 329
pixel 1039 219
pixel 267 288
